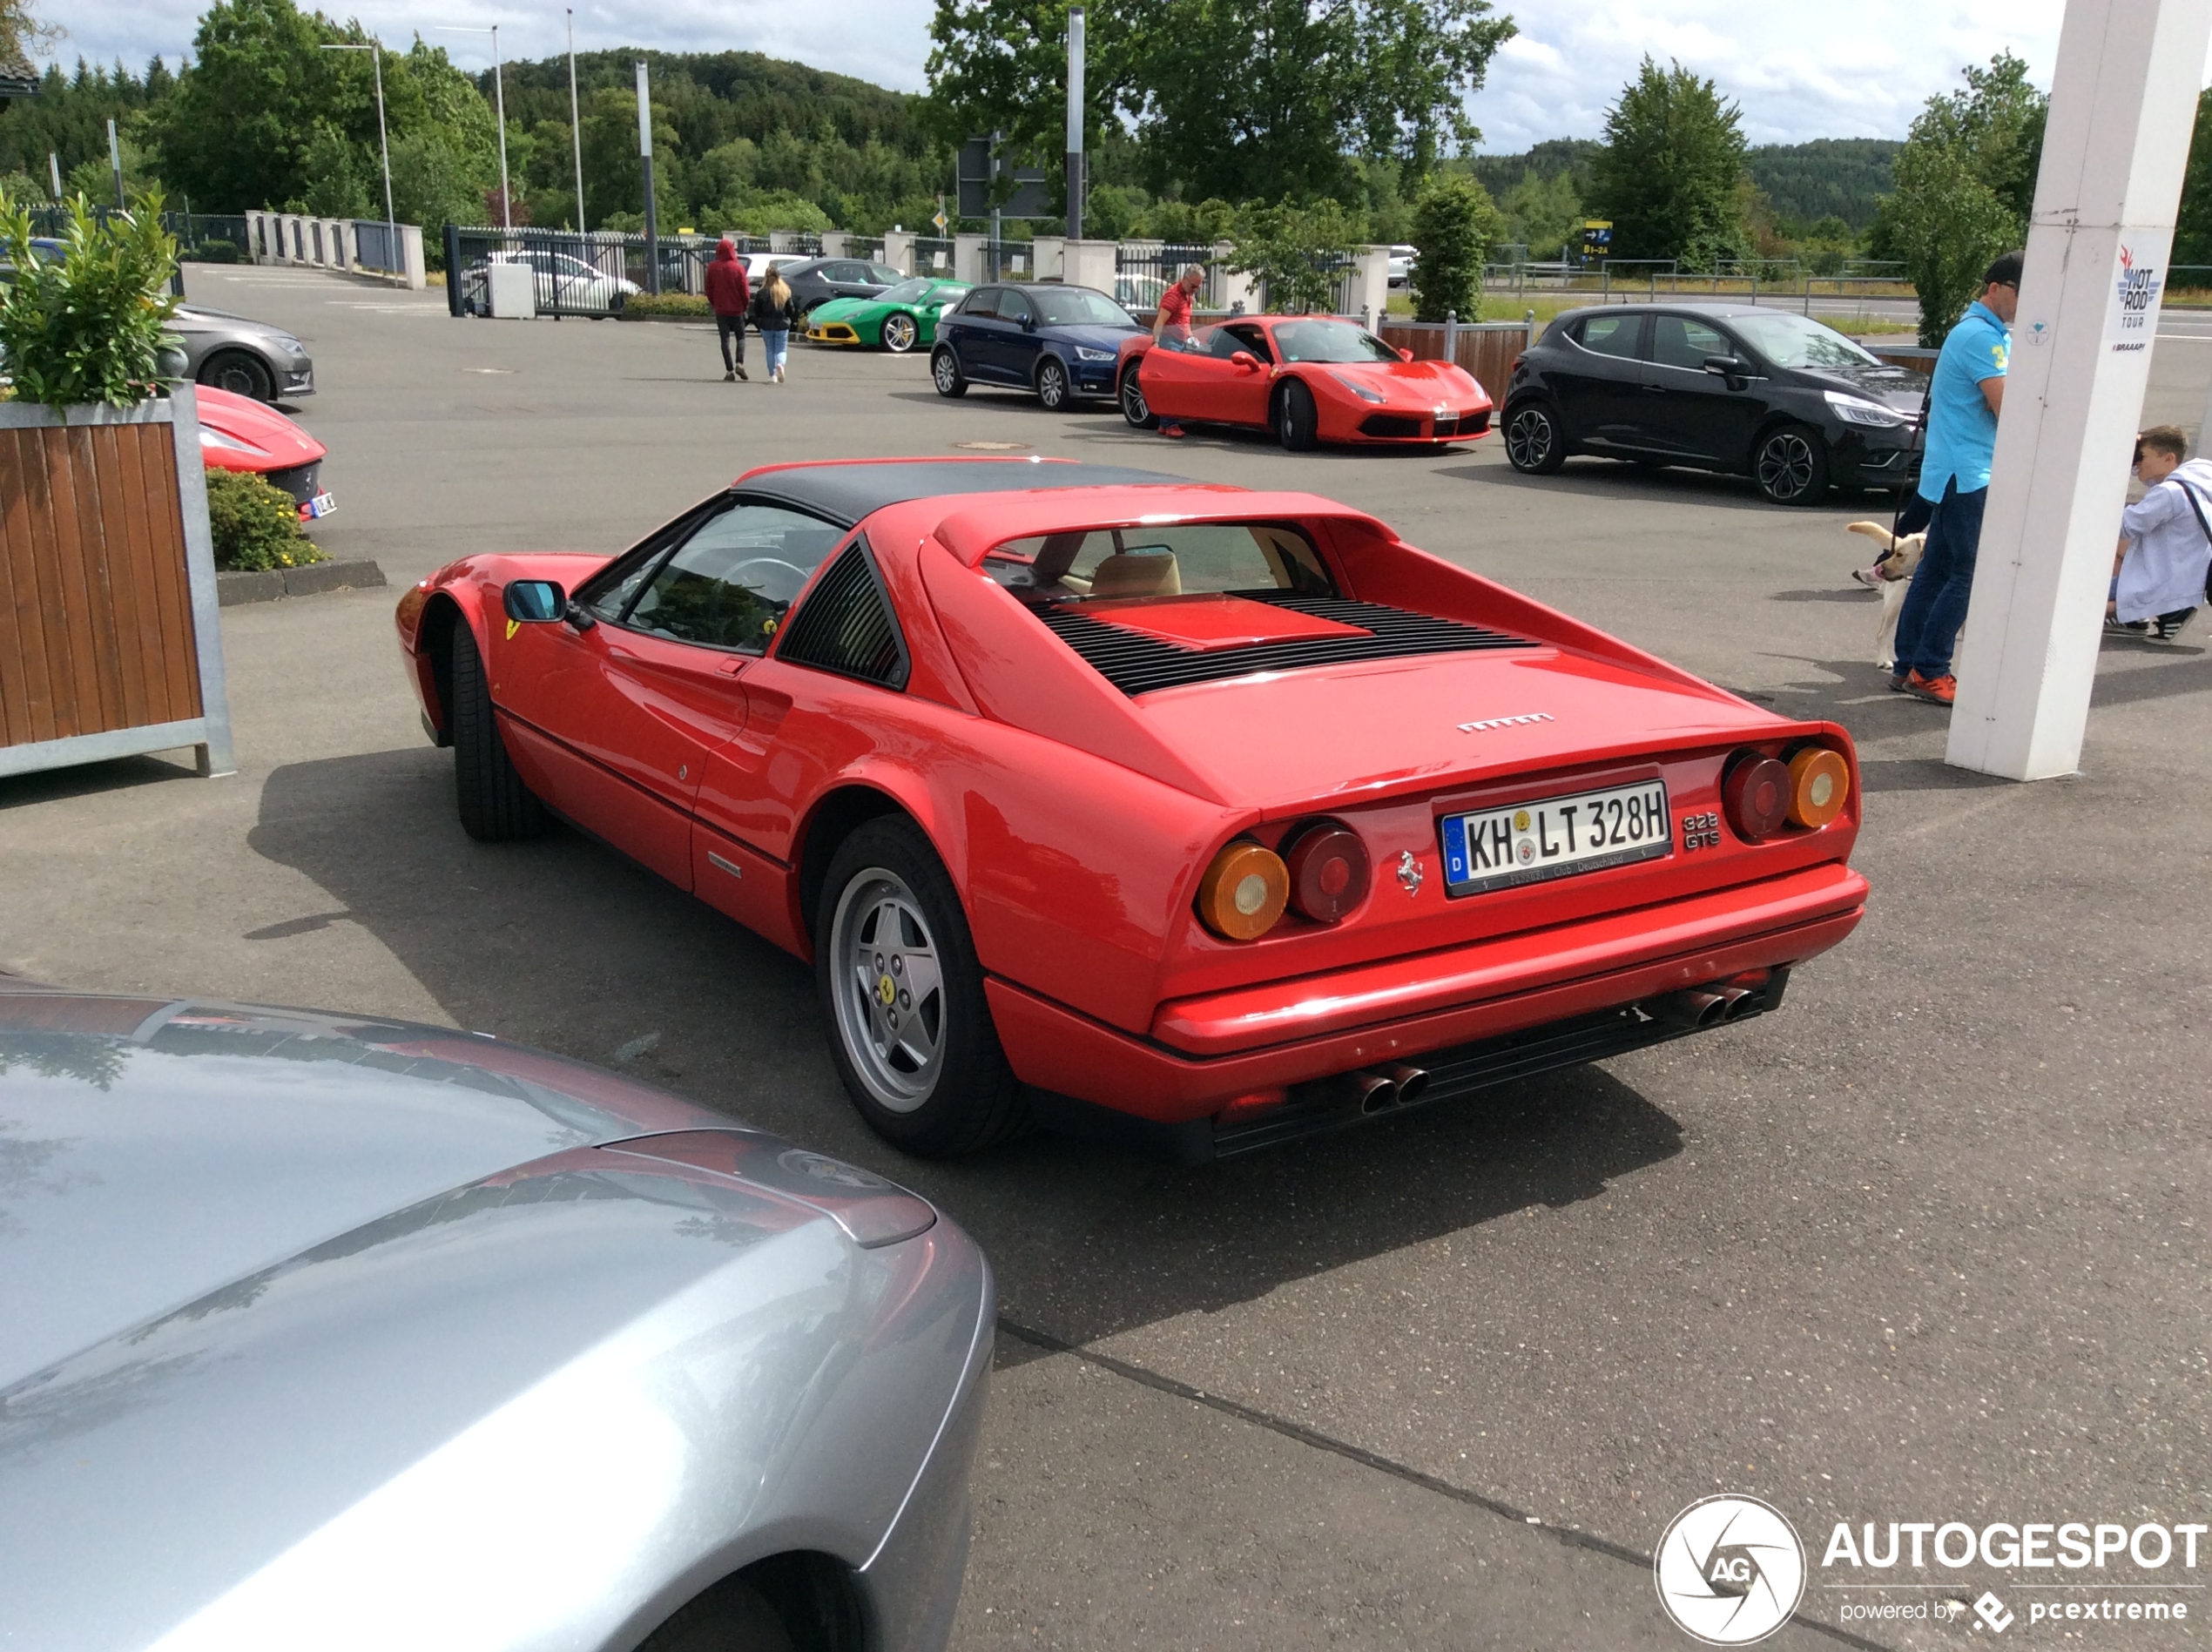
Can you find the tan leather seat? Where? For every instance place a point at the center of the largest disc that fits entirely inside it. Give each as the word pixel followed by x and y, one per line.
pixel 1137 574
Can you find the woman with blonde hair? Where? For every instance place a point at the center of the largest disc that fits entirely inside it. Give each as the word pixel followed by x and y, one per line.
pixel 773 311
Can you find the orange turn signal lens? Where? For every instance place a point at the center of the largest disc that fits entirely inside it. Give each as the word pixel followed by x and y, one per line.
pixel 1819 786
pixel 1244 892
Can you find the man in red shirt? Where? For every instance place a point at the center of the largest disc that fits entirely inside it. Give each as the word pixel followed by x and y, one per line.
pixel 1171 323
pixel 727 295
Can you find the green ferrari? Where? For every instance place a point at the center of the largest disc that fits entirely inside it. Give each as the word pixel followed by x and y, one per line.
pixel 897 319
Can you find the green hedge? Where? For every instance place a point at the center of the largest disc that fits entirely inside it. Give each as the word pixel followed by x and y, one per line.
pixel 640 306
pixel 255 524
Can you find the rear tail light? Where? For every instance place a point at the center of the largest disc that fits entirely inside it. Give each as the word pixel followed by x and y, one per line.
pixel 1244 892
pixel 1328 869
pixel 1819 786
pixel 1755 795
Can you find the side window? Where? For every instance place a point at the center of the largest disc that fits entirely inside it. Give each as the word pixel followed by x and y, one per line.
pixel 731 583
pixel 1249 337
pixel 883 274
pixel 981 303
pixel 1680 341
pixel 1610 334
pixel 1013 306
pixel 847 272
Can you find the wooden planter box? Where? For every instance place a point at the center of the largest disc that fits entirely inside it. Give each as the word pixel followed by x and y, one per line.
pixel 110 643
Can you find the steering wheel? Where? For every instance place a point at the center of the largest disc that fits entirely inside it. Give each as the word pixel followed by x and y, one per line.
pixel 771 578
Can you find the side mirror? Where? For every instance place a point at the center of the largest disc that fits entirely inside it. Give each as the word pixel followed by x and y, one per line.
pixel 1244 361
pixel 1404 354
pixel 1028 324
pixel 534 602
pixel 1732 367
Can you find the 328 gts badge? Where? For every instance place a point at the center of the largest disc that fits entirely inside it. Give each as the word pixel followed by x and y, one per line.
pixel 1700 830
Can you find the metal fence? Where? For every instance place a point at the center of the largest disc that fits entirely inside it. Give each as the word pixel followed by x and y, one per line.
pixel 1144 270
pixel 594 273
pixel 933 256
pixel 1009 261
pixel 869 247
pixel 210 237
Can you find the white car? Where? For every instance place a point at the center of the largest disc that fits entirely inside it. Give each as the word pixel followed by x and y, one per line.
pixel 1401 265
pixel 563 281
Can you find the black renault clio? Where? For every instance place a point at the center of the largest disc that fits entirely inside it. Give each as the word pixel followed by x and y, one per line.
pixel 1792 404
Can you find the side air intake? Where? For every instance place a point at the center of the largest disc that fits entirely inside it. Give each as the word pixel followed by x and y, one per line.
pixel 845 624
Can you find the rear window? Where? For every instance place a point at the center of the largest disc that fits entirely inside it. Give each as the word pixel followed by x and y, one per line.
pixel 1109 563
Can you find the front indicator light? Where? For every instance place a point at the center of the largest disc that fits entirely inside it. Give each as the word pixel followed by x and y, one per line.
pixel 1244 892
pixel 1819 786
pixel 1756 793
pixel 1328 869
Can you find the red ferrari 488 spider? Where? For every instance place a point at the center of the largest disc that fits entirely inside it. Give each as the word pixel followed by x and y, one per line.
pixel 1227 811
pixel 1308 379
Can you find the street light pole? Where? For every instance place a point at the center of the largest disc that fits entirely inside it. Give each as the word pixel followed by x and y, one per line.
pixel 1075 122
pixel 392 260
pixel 499 100
pixel 115 164
pixel 645 158
pixel 576 124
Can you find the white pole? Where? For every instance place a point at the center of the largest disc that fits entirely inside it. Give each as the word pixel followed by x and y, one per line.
pixel 2123 103
pixel 1075 122
pixel 576 125
pixel 115 163
pixel 499 92
pixel 391 228
pixel 54 171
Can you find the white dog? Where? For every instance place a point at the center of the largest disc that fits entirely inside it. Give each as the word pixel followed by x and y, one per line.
pixel 1890 574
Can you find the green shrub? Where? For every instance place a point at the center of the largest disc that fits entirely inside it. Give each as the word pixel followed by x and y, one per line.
pixel 87 326
pixel 639 304
pixel 255 524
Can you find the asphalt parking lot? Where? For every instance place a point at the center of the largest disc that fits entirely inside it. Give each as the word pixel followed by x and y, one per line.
pixel 1927 1245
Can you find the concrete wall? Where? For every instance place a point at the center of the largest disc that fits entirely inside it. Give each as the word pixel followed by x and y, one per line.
pixel 1088 264
pixel 899 250
pixel 1050 251
pixel 967 256
pixel 296 239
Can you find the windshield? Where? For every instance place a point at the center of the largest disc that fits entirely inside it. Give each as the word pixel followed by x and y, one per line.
pixel 1798 342
pixel 1077 306
pixel 906 292
pixel 1330 341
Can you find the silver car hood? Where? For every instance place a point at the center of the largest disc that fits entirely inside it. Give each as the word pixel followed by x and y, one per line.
pixel 309 1336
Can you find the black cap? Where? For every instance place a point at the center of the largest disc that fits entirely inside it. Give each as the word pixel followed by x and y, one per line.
pixel 2005 271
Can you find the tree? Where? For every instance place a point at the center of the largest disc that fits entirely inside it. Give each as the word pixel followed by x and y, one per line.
pixel 1965 185
pixel 1667 176
pixel 1454 224
pixel 24 35
pixel 1543 214
pixel 1241 99
pixel 1298 252
pixel 2193 229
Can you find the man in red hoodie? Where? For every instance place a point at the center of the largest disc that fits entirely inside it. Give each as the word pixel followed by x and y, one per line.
pixel 727 295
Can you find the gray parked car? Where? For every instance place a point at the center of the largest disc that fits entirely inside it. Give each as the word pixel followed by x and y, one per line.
pixel 246 358
pixel 320 1331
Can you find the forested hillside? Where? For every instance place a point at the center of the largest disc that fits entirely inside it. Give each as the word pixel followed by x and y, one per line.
pixel 1828 178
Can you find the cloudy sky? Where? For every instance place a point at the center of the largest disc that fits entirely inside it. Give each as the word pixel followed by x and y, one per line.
pixel 1799 71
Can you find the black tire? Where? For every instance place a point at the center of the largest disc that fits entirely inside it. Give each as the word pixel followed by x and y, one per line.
pixel 733 1616
pixel 900 333
pixel 966 1098
pixel 1791 465
pixel 495 806
pixel 1535 445
pixel 945 374
pixel 1296 418
pixel 240 373
pixel 1053 388
pixel 1134 408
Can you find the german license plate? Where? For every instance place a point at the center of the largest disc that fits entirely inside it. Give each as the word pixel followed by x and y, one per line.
pixel 321 505
pixel 1555 837
pixel 1447 424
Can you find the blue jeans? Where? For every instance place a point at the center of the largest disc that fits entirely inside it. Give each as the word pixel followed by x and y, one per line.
pixel 774 341
pixel 1935 604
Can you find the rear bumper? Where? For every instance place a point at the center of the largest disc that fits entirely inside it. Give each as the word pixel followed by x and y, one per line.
pixel 1203 1052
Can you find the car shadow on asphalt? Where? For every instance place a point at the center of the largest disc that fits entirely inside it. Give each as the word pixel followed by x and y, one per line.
pixel 562 943
pixel 1618 479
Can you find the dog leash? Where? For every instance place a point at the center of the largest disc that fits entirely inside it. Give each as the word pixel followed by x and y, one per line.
pixel 1920 431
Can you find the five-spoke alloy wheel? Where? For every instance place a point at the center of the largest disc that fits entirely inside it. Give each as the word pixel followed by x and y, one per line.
pixel 1135 408
pixel 909 1028
pixel 899 333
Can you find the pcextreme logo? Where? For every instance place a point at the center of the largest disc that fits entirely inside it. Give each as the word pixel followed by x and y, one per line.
pixel 1730 1570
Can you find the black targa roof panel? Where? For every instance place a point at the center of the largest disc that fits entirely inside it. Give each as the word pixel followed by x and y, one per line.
pixel 849 493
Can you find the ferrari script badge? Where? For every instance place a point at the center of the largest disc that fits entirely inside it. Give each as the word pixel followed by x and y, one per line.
pixel 1409 872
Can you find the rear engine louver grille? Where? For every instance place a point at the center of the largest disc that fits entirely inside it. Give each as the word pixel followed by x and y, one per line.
pixel 1139 664
pixel 845 624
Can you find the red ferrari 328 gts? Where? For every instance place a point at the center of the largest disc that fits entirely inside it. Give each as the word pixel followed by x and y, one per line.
pixel 1308 379
pixel 1229 810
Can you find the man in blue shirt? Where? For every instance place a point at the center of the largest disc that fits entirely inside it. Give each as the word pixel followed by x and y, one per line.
pixel 1963 400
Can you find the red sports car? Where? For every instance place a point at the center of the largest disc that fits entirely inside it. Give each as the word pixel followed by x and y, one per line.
pixel 237 433
pixel 1226 811
pixel 1308 379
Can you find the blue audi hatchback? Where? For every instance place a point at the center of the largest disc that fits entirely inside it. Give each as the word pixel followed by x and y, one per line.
pixel 1059 341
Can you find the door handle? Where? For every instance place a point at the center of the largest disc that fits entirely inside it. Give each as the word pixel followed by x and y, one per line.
pixel 1654 389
